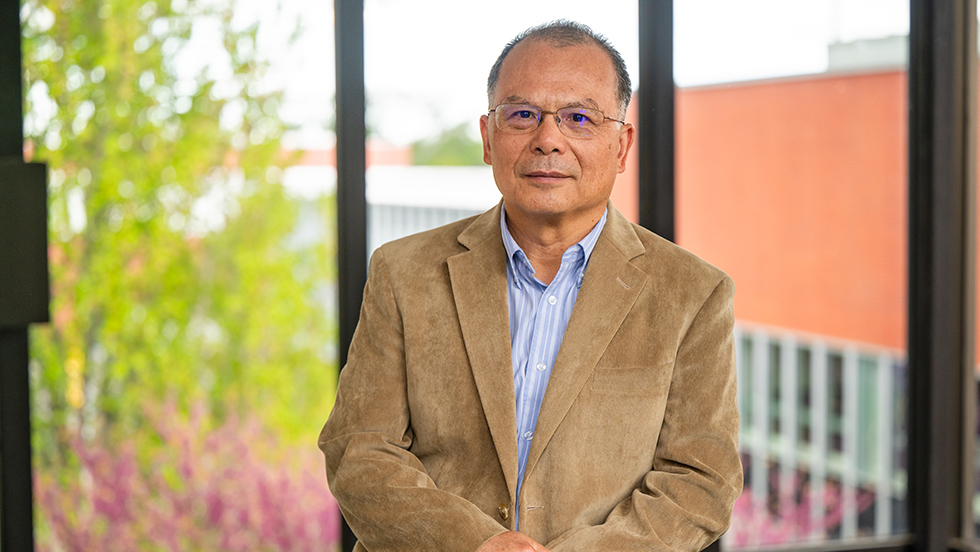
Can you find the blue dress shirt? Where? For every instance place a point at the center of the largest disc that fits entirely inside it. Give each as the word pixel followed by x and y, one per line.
pixel 539 314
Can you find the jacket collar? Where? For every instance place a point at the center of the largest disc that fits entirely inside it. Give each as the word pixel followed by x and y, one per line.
pixel 618 230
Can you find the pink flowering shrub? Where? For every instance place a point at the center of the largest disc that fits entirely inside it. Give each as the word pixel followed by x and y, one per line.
pixel 790 520
pixel 185 487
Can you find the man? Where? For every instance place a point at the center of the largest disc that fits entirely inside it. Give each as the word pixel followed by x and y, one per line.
pixel 545 376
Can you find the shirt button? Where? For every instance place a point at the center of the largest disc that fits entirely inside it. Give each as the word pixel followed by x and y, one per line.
pixel 540 366
pixel 528 435
pixel 552 300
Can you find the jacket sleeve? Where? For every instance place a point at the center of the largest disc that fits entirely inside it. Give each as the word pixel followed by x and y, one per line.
pixel 685 502
pixel 383 490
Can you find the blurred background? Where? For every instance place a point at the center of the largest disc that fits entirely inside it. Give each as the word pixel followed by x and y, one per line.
pixel 192 354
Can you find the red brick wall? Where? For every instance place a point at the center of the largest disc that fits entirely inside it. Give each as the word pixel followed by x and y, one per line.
pixel 797 189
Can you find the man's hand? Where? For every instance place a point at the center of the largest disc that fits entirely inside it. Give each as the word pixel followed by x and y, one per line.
pixel 512 541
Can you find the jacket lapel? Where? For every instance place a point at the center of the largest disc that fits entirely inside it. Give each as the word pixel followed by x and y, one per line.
pixel 479 281
pixel 609 289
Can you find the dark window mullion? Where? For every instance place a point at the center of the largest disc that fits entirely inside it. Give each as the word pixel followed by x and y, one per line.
pixel 351 166
pixel 969 377
pixel 942 99
pixel 23 289
pixel 655 132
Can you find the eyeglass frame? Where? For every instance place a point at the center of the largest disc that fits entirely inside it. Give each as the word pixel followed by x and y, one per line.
pixel 492 113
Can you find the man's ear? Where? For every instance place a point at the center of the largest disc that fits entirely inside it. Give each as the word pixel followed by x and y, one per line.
pixel 625 143
pixel 485 134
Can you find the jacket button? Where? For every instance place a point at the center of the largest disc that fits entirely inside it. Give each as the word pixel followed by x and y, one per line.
pixel 504 511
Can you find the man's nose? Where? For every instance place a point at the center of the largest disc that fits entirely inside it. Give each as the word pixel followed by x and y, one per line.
pixel 548 138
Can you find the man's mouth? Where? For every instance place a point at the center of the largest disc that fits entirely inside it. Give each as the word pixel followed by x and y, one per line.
pixel 546 175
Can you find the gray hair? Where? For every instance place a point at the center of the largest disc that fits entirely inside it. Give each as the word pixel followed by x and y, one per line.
pixel 562 33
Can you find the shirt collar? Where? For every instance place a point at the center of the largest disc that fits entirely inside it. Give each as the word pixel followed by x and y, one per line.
pixel 516 255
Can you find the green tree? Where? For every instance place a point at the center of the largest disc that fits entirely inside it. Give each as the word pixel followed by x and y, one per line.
pixel 452 147
pixel 178 268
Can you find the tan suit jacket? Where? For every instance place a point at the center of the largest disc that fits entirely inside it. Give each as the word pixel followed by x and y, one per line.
pixel 635 447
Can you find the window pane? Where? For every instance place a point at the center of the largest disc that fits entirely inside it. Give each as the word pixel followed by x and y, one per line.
pixel 427 90
pixel 190 352
pixel 791 177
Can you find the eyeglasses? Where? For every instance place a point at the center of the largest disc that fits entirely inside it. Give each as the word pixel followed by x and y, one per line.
pixel 574 122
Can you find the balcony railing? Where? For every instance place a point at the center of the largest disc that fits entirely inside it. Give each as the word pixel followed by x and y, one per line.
pixel 822 435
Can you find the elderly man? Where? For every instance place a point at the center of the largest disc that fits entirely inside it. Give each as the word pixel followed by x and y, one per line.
pixel 546 375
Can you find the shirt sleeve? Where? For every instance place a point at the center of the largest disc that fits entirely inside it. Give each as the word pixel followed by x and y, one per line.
pixel 685 501
pixel 383 490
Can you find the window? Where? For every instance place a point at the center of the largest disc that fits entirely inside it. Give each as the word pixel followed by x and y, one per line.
pixel 425 157
pixel 856 373
pixel 790 137
pixel 190 351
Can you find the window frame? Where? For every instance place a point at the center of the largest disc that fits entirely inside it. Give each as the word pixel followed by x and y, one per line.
pixel 942 279
pixel 942 249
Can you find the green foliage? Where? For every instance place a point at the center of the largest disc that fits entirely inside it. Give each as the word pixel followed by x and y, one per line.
pixel 176 260
pixel 452 147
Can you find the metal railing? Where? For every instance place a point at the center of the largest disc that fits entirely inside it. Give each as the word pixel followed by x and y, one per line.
pixel 390 222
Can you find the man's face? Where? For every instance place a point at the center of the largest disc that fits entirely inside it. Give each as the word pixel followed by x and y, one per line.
pixel 543 174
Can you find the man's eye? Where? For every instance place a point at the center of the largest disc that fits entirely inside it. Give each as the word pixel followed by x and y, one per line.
pixel 525 114
pixel 579 118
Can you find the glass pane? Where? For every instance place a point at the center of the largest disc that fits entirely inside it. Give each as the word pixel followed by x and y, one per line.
pixel 791 175
pixel 425 96
pixel 189 354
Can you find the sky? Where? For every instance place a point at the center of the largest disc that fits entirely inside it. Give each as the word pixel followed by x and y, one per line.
pixel 426 61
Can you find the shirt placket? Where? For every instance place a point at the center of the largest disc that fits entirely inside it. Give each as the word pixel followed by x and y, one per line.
pixel 534 294
pixel 536 369
pixel 542 347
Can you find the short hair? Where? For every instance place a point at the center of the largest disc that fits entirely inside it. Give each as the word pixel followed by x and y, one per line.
pixel 562 33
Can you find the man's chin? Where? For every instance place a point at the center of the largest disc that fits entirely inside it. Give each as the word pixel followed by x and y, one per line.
pixel 552 212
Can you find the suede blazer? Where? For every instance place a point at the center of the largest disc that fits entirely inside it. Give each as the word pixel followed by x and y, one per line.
pixel 635 447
